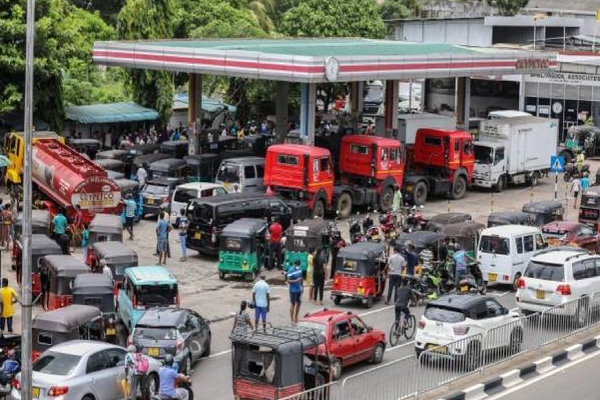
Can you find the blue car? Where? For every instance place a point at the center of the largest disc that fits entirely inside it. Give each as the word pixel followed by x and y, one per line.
pixel 144 288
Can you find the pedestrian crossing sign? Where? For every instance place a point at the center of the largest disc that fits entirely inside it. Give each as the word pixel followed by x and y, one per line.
pixel 557 164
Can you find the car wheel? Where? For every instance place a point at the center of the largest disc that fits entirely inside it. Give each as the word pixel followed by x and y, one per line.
pixel 535 178
pixel 459 188
pixel 344 205
pixel 581 315
pixel 386 199
pixel 378 353
pixel 221 275
pixel 207 350
pixel 336 369
pixel 370 302
pixel 188 365
pixel 516 339
pixel 514 285
pixel 152 386
pixel 337 300
pixel 473 356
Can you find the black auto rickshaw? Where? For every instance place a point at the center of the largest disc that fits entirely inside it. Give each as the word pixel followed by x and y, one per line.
pixel 466 234
pixel 421 239
pixel 280 362
pixel 175 148
pixel 167 168
pixel 436 223
pixel 202 167
pixel 141 150
pixel 509 218
pixel 68 323
pixel 111 164
pixel 114 175
pixel 257 144
pixel 242 249
pixel 90 147
pixel 105 227
pixel 118 258
pixel 97 290
pixel 147 159
pixel 40 223
pixel 41 245
pixel 360 273
pixel 58 273
pixel 303 238
pixel 220 144
pixel 111 154
pixel 543 212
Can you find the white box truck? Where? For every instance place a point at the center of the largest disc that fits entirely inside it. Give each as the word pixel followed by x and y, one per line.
pixel 514 150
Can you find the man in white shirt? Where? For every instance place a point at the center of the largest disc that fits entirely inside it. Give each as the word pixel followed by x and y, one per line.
pixel 142 175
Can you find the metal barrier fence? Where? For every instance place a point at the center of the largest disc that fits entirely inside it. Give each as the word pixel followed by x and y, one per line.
pixel 436 366
pixel 330 391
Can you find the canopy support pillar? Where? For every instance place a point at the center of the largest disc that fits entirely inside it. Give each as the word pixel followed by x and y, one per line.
pixel 308 104
pixel 194 113
pixel 391 109
pixel 281 110
pixel 463 102
pixel 356 104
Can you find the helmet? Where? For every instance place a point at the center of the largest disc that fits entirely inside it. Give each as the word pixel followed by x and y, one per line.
pixel 168 361
pixel 131 348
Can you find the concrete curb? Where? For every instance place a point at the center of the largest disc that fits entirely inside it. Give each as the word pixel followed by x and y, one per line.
pixel 528 371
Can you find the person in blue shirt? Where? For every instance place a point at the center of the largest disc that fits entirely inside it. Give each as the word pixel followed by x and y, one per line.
pixel 130 209
pixel 294 279
pixel 59 224
pixel 162 235
pixel 461 259
pixel 585 183
pixel 167 376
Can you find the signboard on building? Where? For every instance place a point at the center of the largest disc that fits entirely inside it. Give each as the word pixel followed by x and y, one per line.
pixel 564 77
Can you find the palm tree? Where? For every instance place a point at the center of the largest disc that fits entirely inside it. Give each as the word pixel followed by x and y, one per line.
pixel 262 11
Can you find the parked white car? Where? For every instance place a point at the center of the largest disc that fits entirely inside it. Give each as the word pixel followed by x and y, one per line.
pixel 458 326
pixel 82 370
pixel 189 191
pixel 557 276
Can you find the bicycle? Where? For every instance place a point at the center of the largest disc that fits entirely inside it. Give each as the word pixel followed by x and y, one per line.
pixel 406 328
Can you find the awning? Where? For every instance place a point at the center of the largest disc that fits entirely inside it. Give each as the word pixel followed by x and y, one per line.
pixel 110 113
pixel 180 102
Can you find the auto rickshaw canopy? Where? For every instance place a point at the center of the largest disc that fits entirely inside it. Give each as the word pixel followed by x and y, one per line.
pixel 40 222
pixel 440 220
pixel 115 252
pixel 85 284
pixel 111 154
pixel 41 245
pixel 466 233
pixel 66 319
pixel 306 235
pixel 245 228
pixel 362 251
pixel 544 211
pixel 509 218
pixel 106 223
pixel 110 164
pixel 65 266
pixel 420 239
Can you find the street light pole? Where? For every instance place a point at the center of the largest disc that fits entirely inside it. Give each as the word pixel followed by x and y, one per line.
pixel 26 300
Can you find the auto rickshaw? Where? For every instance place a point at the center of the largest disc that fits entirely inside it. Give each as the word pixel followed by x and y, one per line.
pixel 148 159
pixel 509 218
pixel 543 212
pixel 243 248
pixel 421 239
pixel 436 223
pixel 128 186
pixel 58 273
pixel 114 175
pixel 118 258
pixel 141 150
pixel 466 234
pixel 41 245
pixel 105 227
pixel 303 238
pixel 111 154
pixel 221 144
pixel 68 323
pixel 167 168
pixel 90 147
pixel 360 273
pixel 40 223
pixel 110 164
pixel 278 363
pixel 202 167
pixel 175 148
pixel 257 144
pixel 97 290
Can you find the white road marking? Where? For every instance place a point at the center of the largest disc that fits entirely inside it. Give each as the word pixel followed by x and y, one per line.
pixel 375 311
pixel 399 347
pixel 221 353
pixel 501 294
pixel 542 377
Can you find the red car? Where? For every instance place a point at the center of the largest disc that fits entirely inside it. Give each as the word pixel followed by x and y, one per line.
pixel 570 233
pixel 349 339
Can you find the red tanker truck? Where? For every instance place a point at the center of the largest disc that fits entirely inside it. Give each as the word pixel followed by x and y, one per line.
pixel 66 179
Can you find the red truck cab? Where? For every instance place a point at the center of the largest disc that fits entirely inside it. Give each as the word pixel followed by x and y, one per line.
pixel 300 172
pixel 440 163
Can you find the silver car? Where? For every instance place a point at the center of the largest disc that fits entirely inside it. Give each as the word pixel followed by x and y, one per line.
pixel 82 370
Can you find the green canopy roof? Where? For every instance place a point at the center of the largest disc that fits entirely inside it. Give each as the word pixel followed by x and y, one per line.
pixel 110 113
pixel 181 101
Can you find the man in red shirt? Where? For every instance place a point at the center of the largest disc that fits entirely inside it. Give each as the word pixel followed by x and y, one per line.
pixel 275 235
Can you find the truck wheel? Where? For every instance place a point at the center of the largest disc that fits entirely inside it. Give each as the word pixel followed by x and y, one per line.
pixel 319 209
pixel 459 188
pixel 535 178
pixel 419 193
pixel 344 205
pixel 387 199
pixel 499 185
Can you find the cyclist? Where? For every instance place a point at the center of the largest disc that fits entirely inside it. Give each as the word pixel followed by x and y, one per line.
pixel 403 297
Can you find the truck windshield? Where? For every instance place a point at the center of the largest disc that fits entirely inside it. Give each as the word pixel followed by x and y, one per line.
pixel 374 94
pixel 483 154
pixel 229 173
pixel 494 244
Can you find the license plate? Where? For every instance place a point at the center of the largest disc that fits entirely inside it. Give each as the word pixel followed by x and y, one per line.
pixel 437 349
pixel 464 288
pixel 111 331
pixel 35 392
pixel 150 201
pixel 245 267
pixel 153 352
pixel 540 294
pixel 197 235
pixel 492 277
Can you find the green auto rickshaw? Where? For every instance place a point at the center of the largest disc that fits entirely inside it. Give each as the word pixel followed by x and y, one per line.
pixel 243 248
pixel 303 238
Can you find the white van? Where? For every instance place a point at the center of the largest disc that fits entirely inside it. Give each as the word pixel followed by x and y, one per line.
pixel 504 251
pixel 188 191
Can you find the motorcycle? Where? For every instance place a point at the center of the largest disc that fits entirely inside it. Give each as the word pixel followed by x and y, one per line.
pixel 183 384
pixel 373 235
pixel 10 368
pixel 434 283
pixel 472 282
pixel 414 220
pixel 388 223
pixel 355 229
pixel 571 171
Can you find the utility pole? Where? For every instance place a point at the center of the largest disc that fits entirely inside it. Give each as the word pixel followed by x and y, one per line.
pixel 26 392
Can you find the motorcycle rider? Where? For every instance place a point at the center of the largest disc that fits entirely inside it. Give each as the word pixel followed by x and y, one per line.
pixel 403 297
pixel 168 377
pixel 10 367
pixel 579 160
pixel 460 259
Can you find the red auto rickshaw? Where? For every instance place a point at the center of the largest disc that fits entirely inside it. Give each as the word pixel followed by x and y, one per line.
pixel 41 245
pixel 360 273
pixel 118 258
pixel 58 274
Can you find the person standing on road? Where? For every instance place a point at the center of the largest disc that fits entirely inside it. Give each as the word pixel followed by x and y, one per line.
pixel 308 282
pixel 585 183
pixel 136 367
pixel 130 209
pixel 460 259
pixel 162 234
pixel 85 241
pixel 182 226
pixel 294 279
pixel 142 175
pixel 397 203
pixel 395 265
pixel 242 322
pixel 575 189
pixel 319 276
pixel 8 296
pixel 426 256
pixel 59 225
pixel 275 235
pixel 261 296
pixel 105 269
pixel 412 259
pixel 6 225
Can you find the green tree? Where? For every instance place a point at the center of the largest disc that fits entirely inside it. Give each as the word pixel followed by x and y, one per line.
pixel 508 7
pixel 149 19
pixel 396 9
pixel 108 9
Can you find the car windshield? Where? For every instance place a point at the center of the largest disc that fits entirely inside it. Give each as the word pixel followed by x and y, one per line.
pixel 545 271
pixel 229 173
pixel 146 332
pixel 54 363
pixel 159 295
pixel 184 195
pixel 443 314
pixel 494 244
pixel 321 328
pixel 156 189
pixel 483 154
